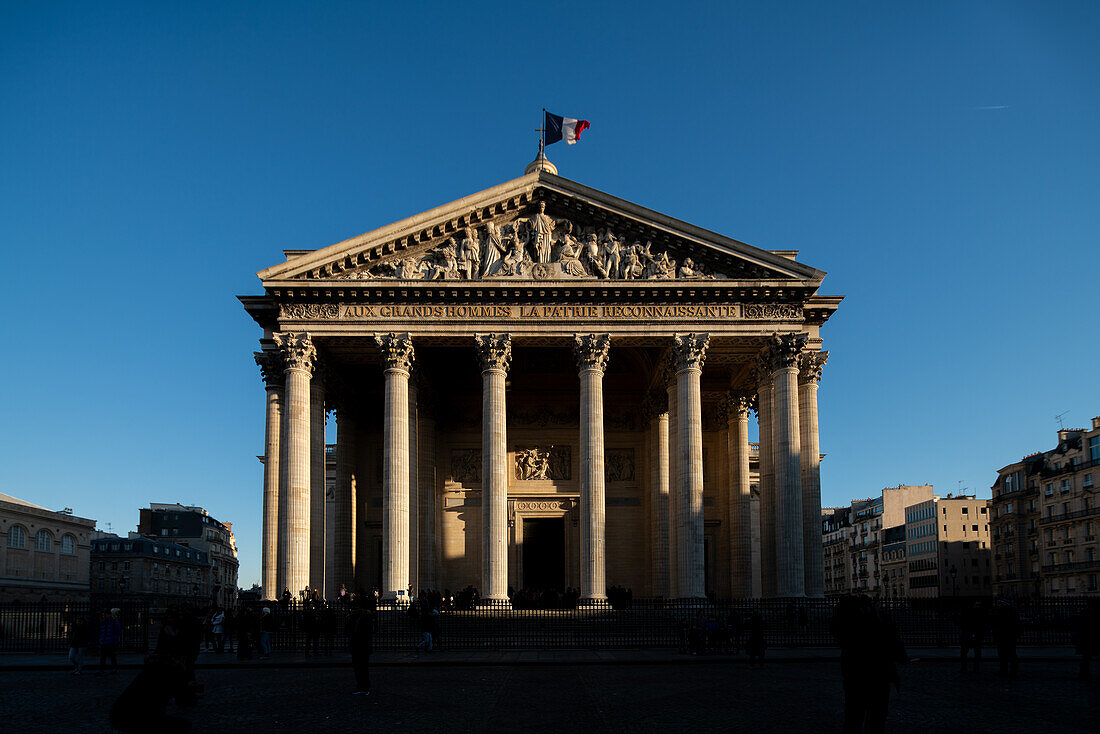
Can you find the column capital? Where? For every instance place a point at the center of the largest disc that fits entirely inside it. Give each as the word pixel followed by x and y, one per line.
pixel 298 350
pixel 494 351
pixel 592 351
pixel 690 350
pixel 397 351
pixel 784 351
pixel 738 405
pixel 811 365
pixel 270 363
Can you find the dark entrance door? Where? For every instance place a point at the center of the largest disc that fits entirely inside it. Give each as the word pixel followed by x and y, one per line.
pixel 544 553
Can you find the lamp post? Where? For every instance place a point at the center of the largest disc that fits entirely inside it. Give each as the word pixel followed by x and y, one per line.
pixel 954 585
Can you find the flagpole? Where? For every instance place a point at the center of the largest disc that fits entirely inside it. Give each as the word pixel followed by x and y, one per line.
pixel 542 129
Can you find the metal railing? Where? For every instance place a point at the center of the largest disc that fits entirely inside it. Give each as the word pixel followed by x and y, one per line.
pixel 638 624
pixel 40 627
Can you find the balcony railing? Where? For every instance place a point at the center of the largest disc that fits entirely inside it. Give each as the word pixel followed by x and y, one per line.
pixel 1069 515
pixel 1074 566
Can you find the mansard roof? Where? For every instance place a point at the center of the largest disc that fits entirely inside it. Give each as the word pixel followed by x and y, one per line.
pixel 655 246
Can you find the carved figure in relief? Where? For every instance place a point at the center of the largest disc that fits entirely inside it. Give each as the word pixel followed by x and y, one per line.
pixel 533 463
pixel 687 269
pixel 493 250
pixel 516 260
pixel 663 267
pixel 569 254
pixel 470 254
pixel 632 263
pixel 541 229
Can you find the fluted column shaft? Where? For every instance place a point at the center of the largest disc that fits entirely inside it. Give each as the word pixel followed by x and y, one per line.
pixel 660 474
pixel 414 487
pixel 810 373
pixel 272 369
pixel 740 499
pixel 767 487
pixel 673 447
pixel 495 354
pixel 592 351
pixel 317 485
pixel 299 355
pixel 790 573
pixel 690 350
pixel 343 542
pixel 397 357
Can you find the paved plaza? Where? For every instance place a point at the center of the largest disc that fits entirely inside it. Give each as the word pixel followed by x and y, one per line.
pixel 627 694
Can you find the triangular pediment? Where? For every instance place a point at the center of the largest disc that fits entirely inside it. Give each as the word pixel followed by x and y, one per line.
pixel 540 227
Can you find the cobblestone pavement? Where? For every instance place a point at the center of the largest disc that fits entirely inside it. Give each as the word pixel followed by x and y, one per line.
pixel 787 696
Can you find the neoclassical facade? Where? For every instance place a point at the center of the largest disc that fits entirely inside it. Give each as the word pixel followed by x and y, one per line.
pixel 542 386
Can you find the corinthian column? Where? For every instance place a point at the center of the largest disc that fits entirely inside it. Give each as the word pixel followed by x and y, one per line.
pixel 591 351
pixel 271 367
pixel 299 355
pixel 808 377
pixel 763 378
pixel 495 353
pixel 343 506
pixel 790 576
pixel 673 449
pixel 658 477
pixel 740 495
pixel 690 351
pixel 397 359
pixel 317 481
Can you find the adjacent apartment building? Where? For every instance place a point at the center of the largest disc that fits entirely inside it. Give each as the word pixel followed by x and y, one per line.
pixel 948 547
pixel 137 568
pixel 43 553
pixel 194 527
pixel 1045 519
pixel 856 537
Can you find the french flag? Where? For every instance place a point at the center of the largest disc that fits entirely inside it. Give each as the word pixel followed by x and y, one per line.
pixel 563 128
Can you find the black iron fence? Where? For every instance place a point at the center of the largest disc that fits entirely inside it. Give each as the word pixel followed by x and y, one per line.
pixel 650 623
pixel 45 626
pixel 639 624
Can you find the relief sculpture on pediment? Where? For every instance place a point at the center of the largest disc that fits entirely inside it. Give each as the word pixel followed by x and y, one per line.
pixel 540 247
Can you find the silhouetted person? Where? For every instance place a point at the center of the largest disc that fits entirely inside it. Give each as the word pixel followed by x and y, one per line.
pixel 165 675
pixel 870 650
pixel 1087 636
pixel 80 636
pixel 110 635
pixel 1006 630
pixel 756 644
pixel 973 624
pixel 360 635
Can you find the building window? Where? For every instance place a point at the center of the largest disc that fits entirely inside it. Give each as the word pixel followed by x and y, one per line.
pixel 68 545
pixel 164 531
pixel 975 528
pixel 127 546
pixel 1049 489
pixel 966 510
pixel 1094 448
pixel 1065 485
pixel 43 541
pixel 1087 480
pixel 17 537
pixel 983 509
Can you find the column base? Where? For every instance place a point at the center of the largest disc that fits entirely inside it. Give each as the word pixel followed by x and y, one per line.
pixel 596 602
pixel 494 603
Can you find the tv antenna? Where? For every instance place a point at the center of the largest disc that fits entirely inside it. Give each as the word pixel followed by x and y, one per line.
pixel 1059 419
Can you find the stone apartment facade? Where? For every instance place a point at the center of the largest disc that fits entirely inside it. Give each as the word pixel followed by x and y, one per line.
pixel 948 547
pixel 145 569
pixel 1045 519
pixel 194 527
pixel 854 540
pixel 43 553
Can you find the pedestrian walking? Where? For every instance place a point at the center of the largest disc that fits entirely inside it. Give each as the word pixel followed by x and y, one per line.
pixel 110 635
pixel 360 637
pixel 217 626
pixel 973 625
pixel 166 675
pixel 870 651
pixel 80 636
pixel 1006 630
pixel 267 629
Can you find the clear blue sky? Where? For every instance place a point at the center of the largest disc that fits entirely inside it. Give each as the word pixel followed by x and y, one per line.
pixel 938 159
